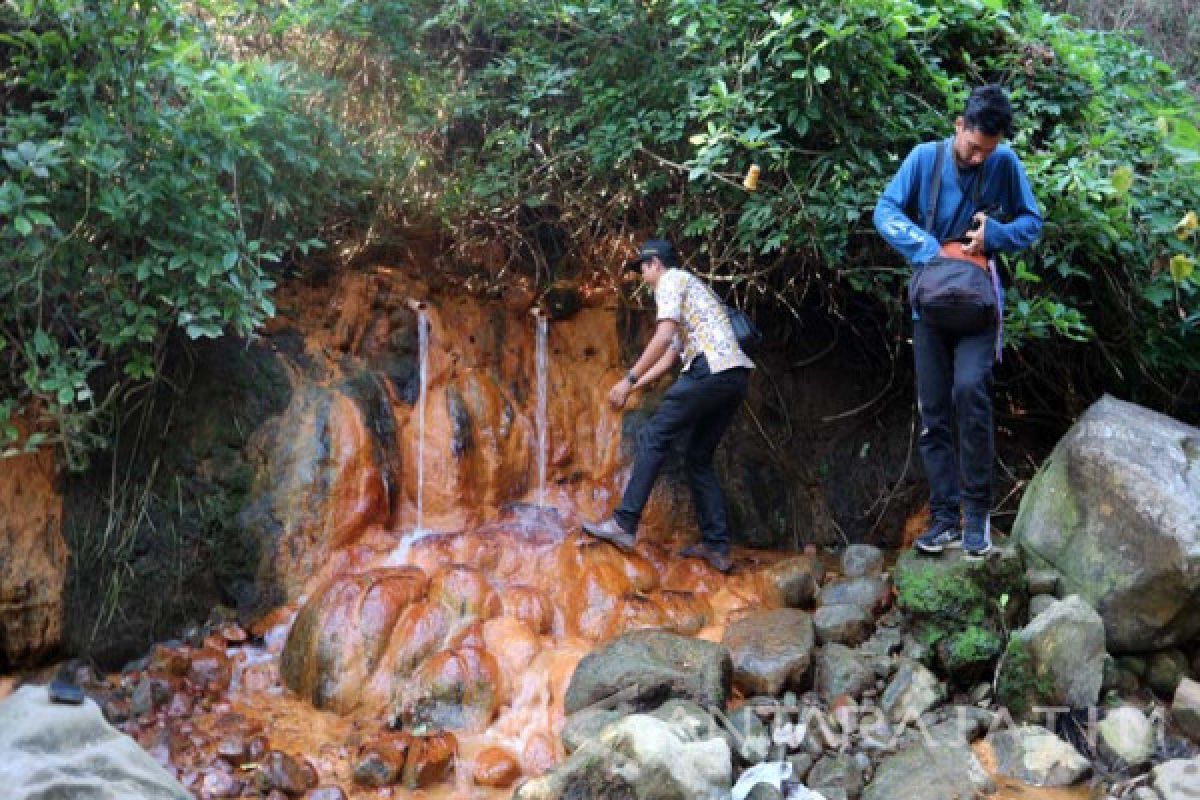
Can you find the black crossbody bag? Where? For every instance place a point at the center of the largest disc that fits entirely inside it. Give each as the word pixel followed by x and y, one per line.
pixel 748 336
pixel 952 293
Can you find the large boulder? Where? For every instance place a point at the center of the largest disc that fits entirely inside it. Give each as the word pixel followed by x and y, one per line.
pixel 1116 511
pixel 33 559
pixel 643 669
pixel 643 757
pixel 49 751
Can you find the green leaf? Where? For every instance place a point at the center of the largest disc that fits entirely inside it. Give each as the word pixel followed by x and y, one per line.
pixel 1122 180
pixel 822 74
pixel 23 225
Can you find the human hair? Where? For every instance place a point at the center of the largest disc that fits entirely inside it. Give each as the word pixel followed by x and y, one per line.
pixel 989 111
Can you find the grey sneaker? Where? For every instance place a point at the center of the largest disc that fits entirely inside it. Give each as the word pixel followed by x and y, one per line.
pixel 716 559
pixel 977 535
pixel 942 533
pixel 610 531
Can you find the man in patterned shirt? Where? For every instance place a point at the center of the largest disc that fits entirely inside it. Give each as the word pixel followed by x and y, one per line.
pixel 694 328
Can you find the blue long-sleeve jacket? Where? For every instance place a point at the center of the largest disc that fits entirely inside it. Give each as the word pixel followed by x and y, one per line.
pixel 1014 220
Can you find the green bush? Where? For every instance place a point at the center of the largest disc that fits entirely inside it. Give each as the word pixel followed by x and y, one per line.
pixel 149 182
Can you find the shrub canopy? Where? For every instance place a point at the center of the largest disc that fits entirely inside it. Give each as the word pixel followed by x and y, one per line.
pixel 162 160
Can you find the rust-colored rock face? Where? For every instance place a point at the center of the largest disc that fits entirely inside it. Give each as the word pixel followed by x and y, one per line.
pixel 33 558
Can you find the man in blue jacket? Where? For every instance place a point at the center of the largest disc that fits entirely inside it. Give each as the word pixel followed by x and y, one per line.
pixel 985 200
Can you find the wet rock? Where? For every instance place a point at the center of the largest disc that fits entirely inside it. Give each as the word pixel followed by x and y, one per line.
pixel 326 793
pixel 210 669
pixel 840 670
pixel 764 791
pixel 1125 737
pixel 1036 756
pixel 801 764
pixel 845 624
pixel 234 749
pixel 771 650
pixel 340 635
pixel 586 724
pixel 285 773
pixel 862 560
pixel 1165 670
pixel 529 605
pixel 1042 581
pixel 1056 660
pixel 430 760
pixel 1039 603
pixel 50 750
pixel 1185 708
pixel 913 691
pixel 838 771
pixel 173 661
pixel 796 579
pixel 496 767
pixel 639 756
pixel 939 768
pixel 644 668
pixel 884 642
pixel 872 594
pixel 1177 779
pixel 1114 511
pixel 381 762
pixel 218 784
pixel 752 740
pixel 453 690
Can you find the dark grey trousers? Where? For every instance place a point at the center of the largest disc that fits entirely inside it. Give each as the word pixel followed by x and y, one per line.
pixel 703 403
pixel 954 396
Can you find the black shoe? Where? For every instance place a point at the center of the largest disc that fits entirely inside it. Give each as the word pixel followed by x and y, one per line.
pixel 977 535
pixel 610 531
pixel 719 561
pixel 941 534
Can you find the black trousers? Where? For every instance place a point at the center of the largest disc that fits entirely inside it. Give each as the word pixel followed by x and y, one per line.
pixel 954 397
pixel 704 403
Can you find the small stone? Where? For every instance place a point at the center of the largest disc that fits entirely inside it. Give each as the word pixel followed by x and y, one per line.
pixel 1042 581
pixel 981 694
pixel 1125 737
pixel 287 773
pixel 210 669
pixel 801 764
pixel 1039 603
pixel 764 791
pixel 1145 793
pixel 1166 669
pixel 326 793
pixel 842 623
pixel 233 749
pixel 839 771
pixel 1185 708
pixel 430 760
pixel 496 767
pixel 1036 756
pixel 218 784
pixel 1178 779
pixel 862 560
pixel 752 740
pixel 913 691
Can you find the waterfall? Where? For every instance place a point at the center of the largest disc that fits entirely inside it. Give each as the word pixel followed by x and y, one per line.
pixel 543 329
pixel 423 361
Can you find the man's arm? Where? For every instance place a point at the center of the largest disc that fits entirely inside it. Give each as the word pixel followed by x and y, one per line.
pixel 894 225
pixel 1026 224
pixel 659 346
pixel 664 365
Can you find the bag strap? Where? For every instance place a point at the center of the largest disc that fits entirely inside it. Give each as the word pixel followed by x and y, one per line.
pixel 935 188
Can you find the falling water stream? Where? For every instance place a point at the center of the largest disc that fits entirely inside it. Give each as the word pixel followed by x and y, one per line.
pixel 423 361
pixel 542 359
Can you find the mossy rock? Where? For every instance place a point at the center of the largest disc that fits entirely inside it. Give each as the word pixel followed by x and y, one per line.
pixel 958 607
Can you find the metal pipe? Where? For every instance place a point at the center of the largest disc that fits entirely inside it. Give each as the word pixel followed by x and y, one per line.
pixel 537 312
pixel 415 304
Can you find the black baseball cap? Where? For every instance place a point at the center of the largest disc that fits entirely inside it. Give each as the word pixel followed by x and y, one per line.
pixel 655 247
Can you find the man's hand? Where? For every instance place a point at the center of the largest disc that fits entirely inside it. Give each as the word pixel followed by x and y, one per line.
pixel 974 245
pixel 619 393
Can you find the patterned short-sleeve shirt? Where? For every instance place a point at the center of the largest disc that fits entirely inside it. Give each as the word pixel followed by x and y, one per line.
pixel 684 298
